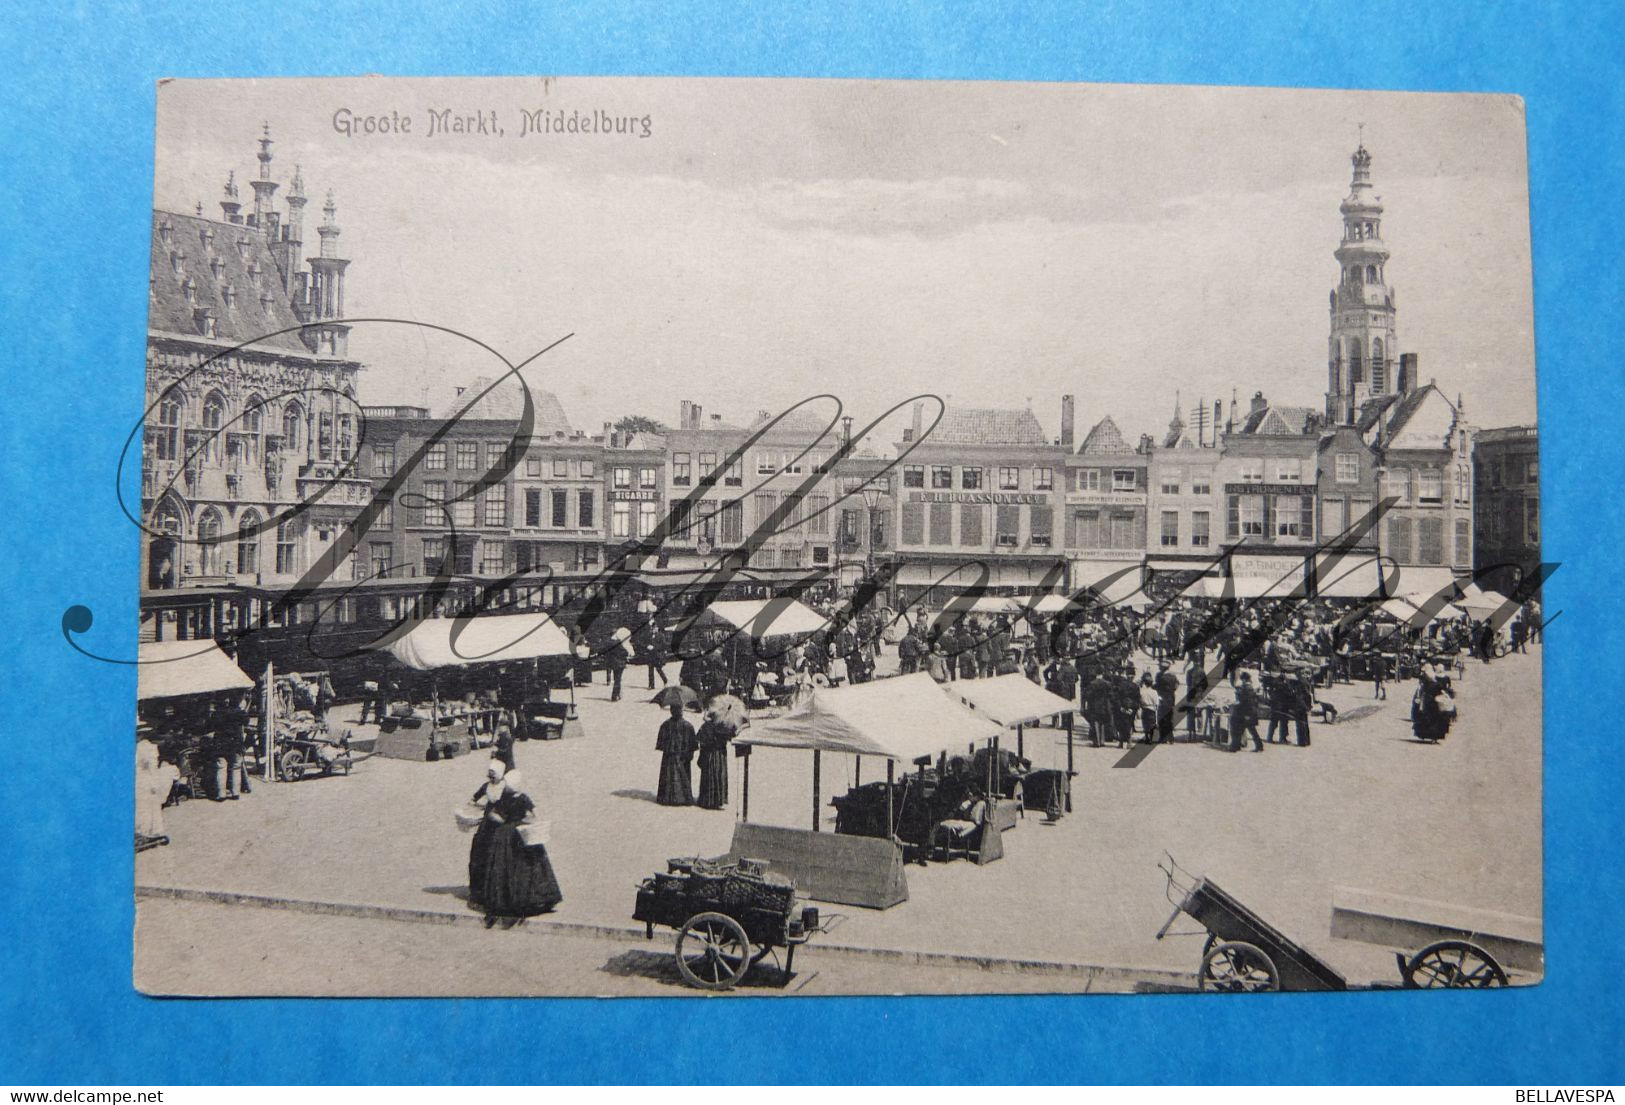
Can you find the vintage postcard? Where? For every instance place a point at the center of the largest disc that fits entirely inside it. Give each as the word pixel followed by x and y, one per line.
pixel 676 537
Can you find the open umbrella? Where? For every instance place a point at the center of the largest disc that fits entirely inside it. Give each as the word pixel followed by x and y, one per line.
pixel 729 709
pixel 674 693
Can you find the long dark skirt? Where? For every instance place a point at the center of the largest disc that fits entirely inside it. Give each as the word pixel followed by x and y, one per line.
pixel 714 777
pixel 516 881
pixel 676 780
pixel 479 858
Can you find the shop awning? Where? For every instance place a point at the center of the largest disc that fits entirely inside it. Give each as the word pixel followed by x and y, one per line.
pixel 482 640
pixel 1349 577
pixel 169 669
pixel 1116 582
pixel 1411 580
pixel 1204 587
pixel 1010 700
pixel 1478 602
pixel 764 618
pixel 904 719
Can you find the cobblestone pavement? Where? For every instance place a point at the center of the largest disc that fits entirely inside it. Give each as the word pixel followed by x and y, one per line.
pixel 1365 806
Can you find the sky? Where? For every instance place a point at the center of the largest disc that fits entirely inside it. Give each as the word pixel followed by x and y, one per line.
pixel 996 244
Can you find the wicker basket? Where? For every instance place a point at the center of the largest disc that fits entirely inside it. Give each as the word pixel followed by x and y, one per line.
pixel 770 892
pixel 707 887
pixel 669 883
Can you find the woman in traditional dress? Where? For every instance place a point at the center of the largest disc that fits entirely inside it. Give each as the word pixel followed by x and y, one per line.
pixel 713 740
pixel 508 878
pixel 676 746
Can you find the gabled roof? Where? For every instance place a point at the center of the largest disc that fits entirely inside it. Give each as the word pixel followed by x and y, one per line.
pixel 237 257
pixel 1396 411
pixel 506 402
pixel 1104 438
pixel 1279 420
pixel 986 426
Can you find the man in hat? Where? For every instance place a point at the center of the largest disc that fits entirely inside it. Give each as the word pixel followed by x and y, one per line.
pixel 1244 715
pixel 1167 684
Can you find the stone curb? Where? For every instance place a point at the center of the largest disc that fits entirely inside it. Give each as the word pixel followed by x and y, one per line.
pixel 1095 973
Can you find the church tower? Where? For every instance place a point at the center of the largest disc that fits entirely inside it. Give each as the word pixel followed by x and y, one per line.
pixel 1362 359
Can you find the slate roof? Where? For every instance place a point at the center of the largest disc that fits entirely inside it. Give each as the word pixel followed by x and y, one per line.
pixel 1396 410
pixel 506 402
pixel 229 260
pixel 1104 438
pixel 986 426
pixel 1285 420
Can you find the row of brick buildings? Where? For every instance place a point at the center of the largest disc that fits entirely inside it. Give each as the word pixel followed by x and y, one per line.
pixel 259 453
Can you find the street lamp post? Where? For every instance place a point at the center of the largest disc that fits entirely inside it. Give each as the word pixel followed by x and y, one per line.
pixel 871 501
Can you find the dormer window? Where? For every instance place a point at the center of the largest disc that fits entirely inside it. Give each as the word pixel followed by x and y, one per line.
pixel 189 289
pixel 177 262
pixel 242 248
pixel 203 318
pixel 229 294
pixel 217 267
pixel 164 232
pixel 254 274
pixel 206 236
pixel 265 301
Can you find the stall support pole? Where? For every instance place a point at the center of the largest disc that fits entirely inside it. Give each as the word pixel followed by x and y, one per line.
pixel 857 771
pixel 268 724
pixel 891 817
pixel 1069 771
pixel 744 796
pixel 1021 742
pixel 818 766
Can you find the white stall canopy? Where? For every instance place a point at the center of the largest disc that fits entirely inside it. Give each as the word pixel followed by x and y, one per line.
pixel 904 719
pixel 483 640
pixel 169 669
pixel 1349 576
pixel 1010 700
pixel 765 618
pixel 1048 605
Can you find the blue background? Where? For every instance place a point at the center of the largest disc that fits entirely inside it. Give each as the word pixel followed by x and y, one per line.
pixel 76 168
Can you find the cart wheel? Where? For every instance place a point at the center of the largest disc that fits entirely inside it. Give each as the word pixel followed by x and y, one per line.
pixel 713 951
pixel 1236 966
pixel 1453 964
pixel 290 766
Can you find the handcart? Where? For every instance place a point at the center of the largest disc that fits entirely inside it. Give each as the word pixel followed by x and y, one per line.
pixel 728 917
pixel 309 749
pixel 1245 953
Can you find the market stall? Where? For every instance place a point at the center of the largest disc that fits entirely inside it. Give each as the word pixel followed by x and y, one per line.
pixel 190 705
pixel 1016 702
pixel 746 626
pixel 909 720
pixel 515 657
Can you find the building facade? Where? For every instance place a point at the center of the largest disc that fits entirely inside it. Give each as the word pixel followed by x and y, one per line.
pixel 1185 511
pixel 1106 498
pixel 251 393
pixel 1506 530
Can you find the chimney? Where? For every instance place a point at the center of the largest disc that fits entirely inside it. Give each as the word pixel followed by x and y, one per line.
pixel 918 423
pixel 1068 406
pixel 698 422
pixel 1231 424
pixel 609 434
pixel 1407 373
pixel 685 414
pixel 1259 403
pixel 1218 416
pixel 716 421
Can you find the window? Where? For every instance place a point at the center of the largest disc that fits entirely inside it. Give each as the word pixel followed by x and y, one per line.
pixel 942 477
pixel 708 468
pixel 818 515
pixel 1289 516
pixel 324 436
pixel 648 517
pixel 766 504
pixel 214 417
pixel 559 516
pixel 1430 486
pixel 1127 532
pixel 561 468
pixel 1531 471
pixel 1123 479
pixel 1464 542
pixel 382 556
pixel 1200 529
pixel 912 530
pixel 1531 520
pixel 1334 518
pixel 1252 514
pixel 970 479
pixel 681 469
pixel 1202 485
pixel 942 523
pixel 587 469
pixel 647 477
pixel 434 555
pixel 253 424
pixel 1464 484
pixel 1250 470
pixel 790 461
pixel 971 524
pixel 435 459
pixel 1430 540
pixel 533 507
pixel 533 466
pixel 491 557
pixel 496 505
pixel 584 510
pixel 1396 484
pixel 462 507
pixel 1085 530
pixel 168 437
pixel 462 556
pixel 1348 467
pixel 767 464
pixel 287 551
pixel 1288 470
pixel 1170 481
pixel 1007 525
pixel 1043 479
pixel 1042 522
pixel 386 515
pixel 434 500
pixel 468 456
pixel 1170 529
pixel 735 476
pixel 495 456
pixel 1009 479
pixel 913 475
pixel 622 477
pixel 733 523
pixel 383 460
pixel 1399 540
pixel 620 520
pixel 1359 509
pixel 1086 479
pixel 248 543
